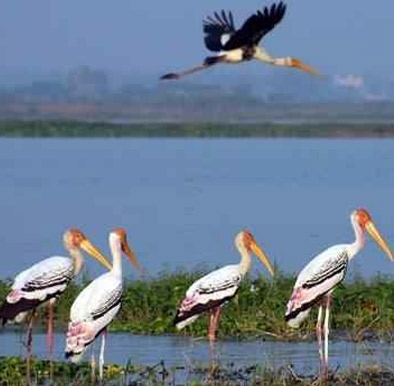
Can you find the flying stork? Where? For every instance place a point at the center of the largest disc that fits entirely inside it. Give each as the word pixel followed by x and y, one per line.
pixel 240 45
pixel 45 281
pixel 97 305
pixel 317 281
pixel 212 291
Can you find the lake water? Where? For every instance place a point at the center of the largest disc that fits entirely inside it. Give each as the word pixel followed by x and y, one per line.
pixel 181 351
pixel 183 200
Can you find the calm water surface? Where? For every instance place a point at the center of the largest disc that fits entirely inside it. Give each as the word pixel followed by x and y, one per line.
pixel 181 351
pixel 182 201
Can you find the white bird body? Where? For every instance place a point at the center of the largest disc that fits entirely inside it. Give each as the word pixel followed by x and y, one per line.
pixel 92 311
pixel 48 278
pixel 318 279
pixel 98 304
pixel 45 279
pixel 215 289
pixel 44 282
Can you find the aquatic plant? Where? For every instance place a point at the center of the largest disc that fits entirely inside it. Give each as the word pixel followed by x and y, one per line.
pixel 44 129
pixel 361 308
pixel 13 373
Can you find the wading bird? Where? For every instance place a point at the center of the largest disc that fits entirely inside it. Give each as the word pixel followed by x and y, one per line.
pixel 97 305
pixel 242 45
pixel 212 291
pixel 317 281
pixel 46 281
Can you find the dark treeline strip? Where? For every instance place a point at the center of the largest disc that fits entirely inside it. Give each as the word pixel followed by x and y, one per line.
pixel 362 309
pixel 68 129
pixel 13 372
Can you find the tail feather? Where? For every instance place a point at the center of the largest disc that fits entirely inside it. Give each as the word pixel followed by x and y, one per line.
pixel 11 311
pixel 190 310
pixel 79 336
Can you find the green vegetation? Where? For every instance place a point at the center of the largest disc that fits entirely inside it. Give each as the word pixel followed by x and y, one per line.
pixel 13 373
pixel 361 309
pixel 46 129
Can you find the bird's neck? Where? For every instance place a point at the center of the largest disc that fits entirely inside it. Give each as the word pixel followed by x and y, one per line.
pixel 116 257
pixel 261 54
pixel 77 257
pixel 359 242
pixel 246 261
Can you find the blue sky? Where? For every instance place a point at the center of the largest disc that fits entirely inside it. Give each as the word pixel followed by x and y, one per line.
pixel 352 36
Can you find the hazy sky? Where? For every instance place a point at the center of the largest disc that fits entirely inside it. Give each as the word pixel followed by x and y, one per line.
pixel 337 36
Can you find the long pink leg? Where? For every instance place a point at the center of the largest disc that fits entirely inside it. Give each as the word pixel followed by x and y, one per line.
pixel 319 331
pixel 50 340
pixel 29 341
pixel 213 325
pixel 101 358
pixel 326 332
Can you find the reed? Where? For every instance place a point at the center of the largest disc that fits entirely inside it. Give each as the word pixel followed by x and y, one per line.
pixel 75 129
pixel 362 309
pixel 13 373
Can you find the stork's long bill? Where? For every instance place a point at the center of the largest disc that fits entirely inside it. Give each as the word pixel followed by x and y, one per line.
pixel 375 234
pixel 262 257
pixel 89 248
pixel 131 256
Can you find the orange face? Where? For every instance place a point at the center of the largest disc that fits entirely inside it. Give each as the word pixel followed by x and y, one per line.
pixel 248 240
pixel 75 239
pixel 363 217
pixel 252 247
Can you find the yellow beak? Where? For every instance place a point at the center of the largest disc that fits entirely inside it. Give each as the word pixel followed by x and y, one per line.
pixel 89 248
pixel 132 257
pixel 373 231
pixel 303 67
pixel 262 257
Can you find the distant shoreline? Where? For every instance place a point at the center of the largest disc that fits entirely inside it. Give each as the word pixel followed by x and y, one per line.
pixel 76 129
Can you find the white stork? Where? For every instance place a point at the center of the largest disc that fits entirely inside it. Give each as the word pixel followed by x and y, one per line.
pixel 235 46
pixel 317 281
pixel 97 305
pixel 45 281
pixel 212 291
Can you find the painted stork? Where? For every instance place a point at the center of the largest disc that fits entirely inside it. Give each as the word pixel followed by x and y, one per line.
pixel 212 291
pixel 45 281
pixel 235 46
pixel 97 305
pixel 317 281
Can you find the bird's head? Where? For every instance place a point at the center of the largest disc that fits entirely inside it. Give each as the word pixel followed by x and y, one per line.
pixel 74 239
pixel 296 63
pixel 120 235
pixel 246 239
pixel 364 220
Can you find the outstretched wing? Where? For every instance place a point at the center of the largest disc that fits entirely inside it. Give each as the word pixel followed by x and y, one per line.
pixel 258 25
pixel 218 30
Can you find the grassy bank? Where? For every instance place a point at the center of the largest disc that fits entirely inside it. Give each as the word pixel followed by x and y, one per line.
pixel 48 129
pixel 361 309
pixel 13 373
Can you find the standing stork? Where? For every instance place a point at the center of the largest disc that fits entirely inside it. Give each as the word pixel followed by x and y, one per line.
pixel 235 46
pixel 97 305
pixel 317 281
pixel 212 291
pixel 45 281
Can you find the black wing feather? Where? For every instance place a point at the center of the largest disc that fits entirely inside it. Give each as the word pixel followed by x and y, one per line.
pixel 215 27
pixel 256 26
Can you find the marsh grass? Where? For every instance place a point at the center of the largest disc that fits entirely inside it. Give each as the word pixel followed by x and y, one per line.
pixel 48 129
pixel 13 373
pixel 362 309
